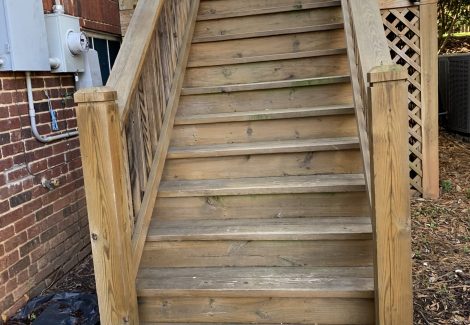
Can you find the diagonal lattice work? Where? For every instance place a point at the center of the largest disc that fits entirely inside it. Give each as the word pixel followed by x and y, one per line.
pixel 402 29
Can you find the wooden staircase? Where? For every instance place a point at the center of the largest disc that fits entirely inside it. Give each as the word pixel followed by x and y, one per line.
pixel 262 215
pixel 247 187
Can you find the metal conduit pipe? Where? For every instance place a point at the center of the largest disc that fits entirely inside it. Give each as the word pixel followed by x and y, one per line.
pixel 32 118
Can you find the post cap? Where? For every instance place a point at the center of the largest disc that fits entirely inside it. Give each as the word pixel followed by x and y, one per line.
pixel 93 95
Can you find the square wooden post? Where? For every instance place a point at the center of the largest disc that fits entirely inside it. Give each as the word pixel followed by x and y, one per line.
pixel 429 98
pixel 390 195
pixel 107 204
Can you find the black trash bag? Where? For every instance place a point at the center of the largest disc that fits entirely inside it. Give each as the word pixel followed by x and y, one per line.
pixel 61 309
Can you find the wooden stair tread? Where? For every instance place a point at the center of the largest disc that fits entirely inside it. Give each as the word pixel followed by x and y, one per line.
pixel 321 228
pixel 264 185
pixel 264 114
pixel 208 12
pixel 267 147
pixel 266 85
pixel 339 282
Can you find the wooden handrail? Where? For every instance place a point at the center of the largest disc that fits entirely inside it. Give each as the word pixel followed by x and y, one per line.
pixel 380 97
pixel 127 68
pixel 125 131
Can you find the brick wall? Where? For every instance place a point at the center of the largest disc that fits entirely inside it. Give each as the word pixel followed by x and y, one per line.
pixel 43 233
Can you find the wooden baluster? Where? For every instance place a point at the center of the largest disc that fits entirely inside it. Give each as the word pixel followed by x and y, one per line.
pixel 107 203
pixel 390 194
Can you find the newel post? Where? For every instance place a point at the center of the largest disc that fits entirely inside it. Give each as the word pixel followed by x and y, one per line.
pixel 390 194
pixel 106 195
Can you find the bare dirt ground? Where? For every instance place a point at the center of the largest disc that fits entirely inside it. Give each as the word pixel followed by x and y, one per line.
pixel 441 242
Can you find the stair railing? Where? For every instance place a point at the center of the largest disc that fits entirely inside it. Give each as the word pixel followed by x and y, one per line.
pixel 380 97
pixel 125 131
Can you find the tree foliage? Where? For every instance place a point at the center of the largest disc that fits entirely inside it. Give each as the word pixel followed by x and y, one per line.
pixel 452 15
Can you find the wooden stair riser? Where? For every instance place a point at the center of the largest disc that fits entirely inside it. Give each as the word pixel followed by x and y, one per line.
pixel 257 253
pixel 217 310
pixel 236 8
pixel 263 206
pixel 265 130
pixel 270 24
pixel 267 48
pixel 315 67
pixel 271 99
pixel 293 164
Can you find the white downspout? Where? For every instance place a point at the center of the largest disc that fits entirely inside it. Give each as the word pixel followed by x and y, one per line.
pixel 32 118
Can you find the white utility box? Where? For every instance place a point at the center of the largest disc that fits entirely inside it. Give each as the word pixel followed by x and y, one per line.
pixel 23 38
pixel 67 44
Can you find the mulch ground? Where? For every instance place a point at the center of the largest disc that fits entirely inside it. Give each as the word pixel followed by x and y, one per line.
pixel 441 241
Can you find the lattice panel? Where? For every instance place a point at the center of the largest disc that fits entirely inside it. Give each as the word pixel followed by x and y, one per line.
pixel 402 28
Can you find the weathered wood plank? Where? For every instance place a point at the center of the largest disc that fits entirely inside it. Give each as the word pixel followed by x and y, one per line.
pixel 264 185
pixel 271 99
pixel 320 228
pixel 263 206
pixel 258 310
pixel 258 253
pixel 236 8
pixel 324 66
pixel 265 25
pixel 316 127
pixel 266 165
pixel 264 115
pixel 267 48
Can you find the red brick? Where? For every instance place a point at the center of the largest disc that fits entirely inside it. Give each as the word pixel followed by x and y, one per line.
pixel 16 241
pixel 56 160
pixel 18 109
pixel 17 173
pixel 12 149
pixel 20 198
pixel 6 233
pixel 5 98
pixel 14 84
pixel 6 164
pixel 4 206
pixel 9 259
pixel 24 223
pixel 10 217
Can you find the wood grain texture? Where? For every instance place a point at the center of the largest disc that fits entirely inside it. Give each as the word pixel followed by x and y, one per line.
pixel 228 9
pixel 319 228
pixel 109 222
pixel 265 165
pixel 270 99
pixel 263 206
pixel 258 310
pixel 353 282
pixel 254 253
pixel 260 148
pixel 267 48
pixel 257 72
pixel 429 99
pixel 264 185
pixel 390 201
pixel 316 127
pixel 265 25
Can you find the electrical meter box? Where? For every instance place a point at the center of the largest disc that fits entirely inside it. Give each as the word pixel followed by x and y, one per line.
pixel 23 38
pixel 67 44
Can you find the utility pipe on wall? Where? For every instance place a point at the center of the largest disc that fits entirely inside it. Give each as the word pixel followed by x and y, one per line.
pixel 32 118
